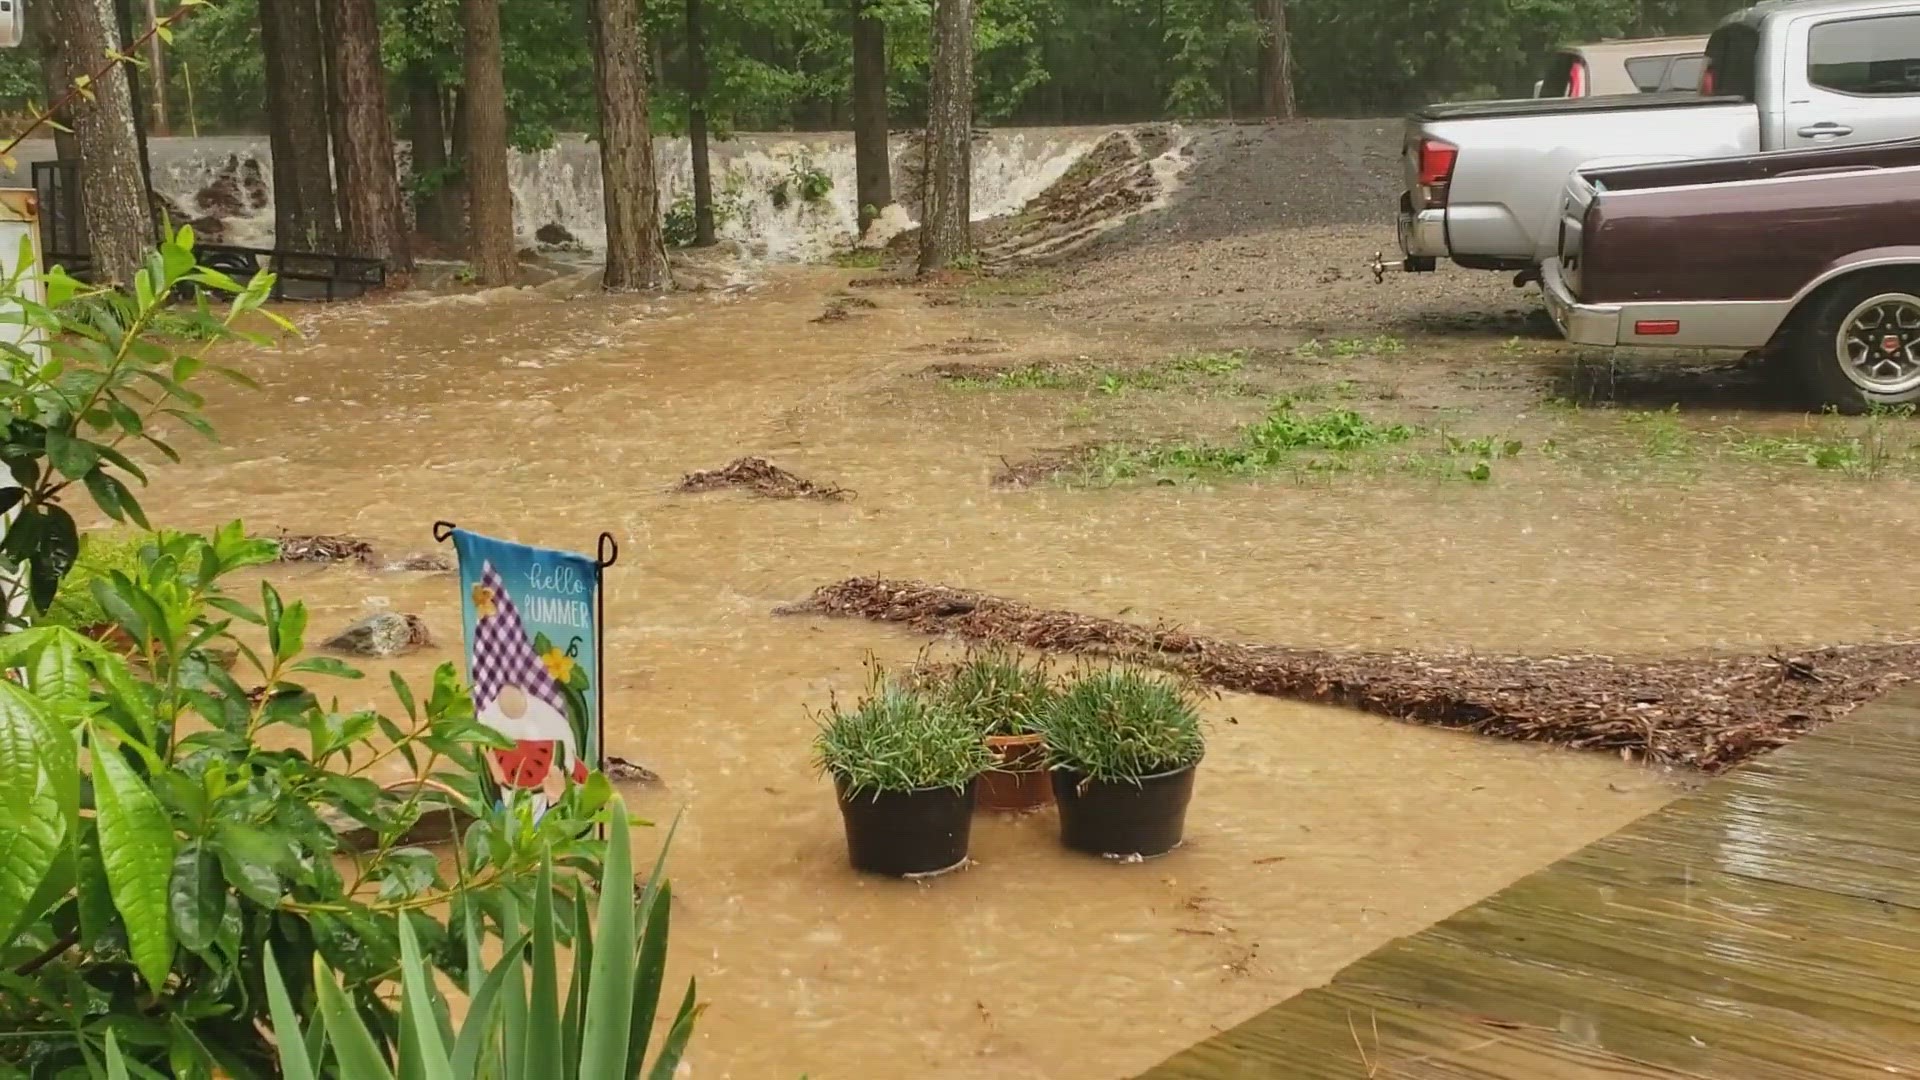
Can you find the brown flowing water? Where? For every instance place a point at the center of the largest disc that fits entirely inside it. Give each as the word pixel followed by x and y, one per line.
pixel 1316 835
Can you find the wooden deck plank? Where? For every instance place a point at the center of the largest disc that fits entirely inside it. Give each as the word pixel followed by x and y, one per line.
pixel 1766 927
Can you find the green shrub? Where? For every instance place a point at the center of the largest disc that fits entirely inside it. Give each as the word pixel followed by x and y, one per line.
pixel 1123 724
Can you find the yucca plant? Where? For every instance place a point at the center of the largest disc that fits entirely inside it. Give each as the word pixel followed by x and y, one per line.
pixel 516 1029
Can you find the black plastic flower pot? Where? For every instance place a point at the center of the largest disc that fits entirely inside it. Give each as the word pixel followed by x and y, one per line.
pixel 1123 818
pixel 907 833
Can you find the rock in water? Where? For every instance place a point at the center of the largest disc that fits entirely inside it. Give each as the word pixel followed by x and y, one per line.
pixel 382 634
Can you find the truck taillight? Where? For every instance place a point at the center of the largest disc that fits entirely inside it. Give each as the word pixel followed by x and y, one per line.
pixel 1577 79
pixel 1707 81
pixel 1437 160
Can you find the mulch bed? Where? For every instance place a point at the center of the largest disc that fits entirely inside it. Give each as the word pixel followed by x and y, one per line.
pixel 1706 711
pixel 761 477
pixel 326 549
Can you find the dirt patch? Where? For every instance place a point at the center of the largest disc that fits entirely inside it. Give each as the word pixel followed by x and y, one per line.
pixel 1706 711
pixel 963 346
pixel 326 548
pixel 1039 470
pixel 761 477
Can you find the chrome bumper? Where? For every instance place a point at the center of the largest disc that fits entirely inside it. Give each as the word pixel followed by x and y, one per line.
pixel 1582 324
pixel 1423 235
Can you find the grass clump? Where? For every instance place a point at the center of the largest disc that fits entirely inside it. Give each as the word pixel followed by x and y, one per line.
pixel 897 738
pixel 1377 345
pixel 1022 284
pixel 999 692
pixel 1284 439
pixel 74 605
pixel 859 259
pixel 1123 724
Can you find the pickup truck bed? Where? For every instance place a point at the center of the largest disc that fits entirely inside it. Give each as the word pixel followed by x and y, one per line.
pixel 1502 199
pixel 1810 255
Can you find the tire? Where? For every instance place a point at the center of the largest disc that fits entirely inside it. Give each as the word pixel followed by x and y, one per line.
pixel 1859 348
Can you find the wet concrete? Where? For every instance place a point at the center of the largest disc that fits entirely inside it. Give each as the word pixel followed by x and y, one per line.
pixel 1316 835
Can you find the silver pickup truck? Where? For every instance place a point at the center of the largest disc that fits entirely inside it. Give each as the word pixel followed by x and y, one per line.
pixel 1484 179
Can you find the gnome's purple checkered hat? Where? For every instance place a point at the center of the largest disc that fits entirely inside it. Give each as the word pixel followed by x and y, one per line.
pixel 502 654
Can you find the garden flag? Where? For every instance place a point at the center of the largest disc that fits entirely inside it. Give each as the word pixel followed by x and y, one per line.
pixel 531 655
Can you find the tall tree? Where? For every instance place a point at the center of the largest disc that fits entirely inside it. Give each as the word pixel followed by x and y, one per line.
pixel 636 251
pixel 53 72
pixel 872 173
pixel 945 235
pixel 435 209
pixel 113 191
pixel 697 127
pixel 371 213
pixel 1276 62
pixel 489 196
pixel 303 208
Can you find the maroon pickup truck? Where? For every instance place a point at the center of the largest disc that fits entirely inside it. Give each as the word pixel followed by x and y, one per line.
pixel 1811 255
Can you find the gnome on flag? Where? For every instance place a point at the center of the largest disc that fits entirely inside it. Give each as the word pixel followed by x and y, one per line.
pixel 515 693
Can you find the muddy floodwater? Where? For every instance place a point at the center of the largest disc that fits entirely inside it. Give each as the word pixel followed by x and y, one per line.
pixel 1316 835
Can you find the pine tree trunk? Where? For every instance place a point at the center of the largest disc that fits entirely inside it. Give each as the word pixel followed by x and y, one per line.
pixel 336 105
pixel 371 213
pixel 945 236
pixel 457 134
pixel 434 208
pixel 703 225
pixel 113 192
pixel 489 196
pixel 636 251
pixel 1276 63
pixel 303 208
pixel 53 72
pixel 872 173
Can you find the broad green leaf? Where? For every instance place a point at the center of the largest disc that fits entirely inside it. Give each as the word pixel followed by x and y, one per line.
pixel 294 1062
pixel 677 1036
pixel 196 898
pixel 136 843
pixel 479 1030
pixel 513 1020
pixel 54 745
pixel 353 1046
pixel 74 457
pixel 58 675
pixel 416 983
pixel 116 1063
pixel 327 665
pixel 649 972
pixel 543 1007
pixel 31 824
pixel 609 1011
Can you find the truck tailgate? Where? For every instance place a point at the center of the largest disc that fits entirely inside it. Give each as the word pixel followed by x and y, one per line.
pixel 1505 196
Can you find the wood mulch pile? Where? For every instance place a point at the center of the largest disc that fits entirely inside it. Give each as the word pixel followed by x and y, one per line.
pixel 1707 711
pixel 326 549
pixel 761 477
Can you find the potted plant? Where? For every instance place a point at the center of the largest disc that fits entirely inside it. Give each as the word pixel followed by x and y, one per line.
pixel 904 764
pixel 1004 696
pixel 1123 745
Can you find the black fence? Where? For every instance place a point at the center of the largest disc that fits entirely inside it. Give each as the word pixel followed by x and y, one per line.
pixel 298 275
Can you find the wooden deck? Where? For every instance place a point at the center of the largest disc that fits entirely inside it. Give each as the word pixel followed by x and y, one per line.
pixel 1764 928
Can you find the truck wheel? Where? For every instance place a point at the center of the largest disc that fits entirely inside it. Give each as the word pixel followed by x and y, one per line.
pixel 1861 344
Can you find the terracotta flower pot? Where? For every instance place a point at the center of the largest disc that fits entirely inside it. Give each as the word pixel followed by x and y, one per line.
pixel 1018 780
